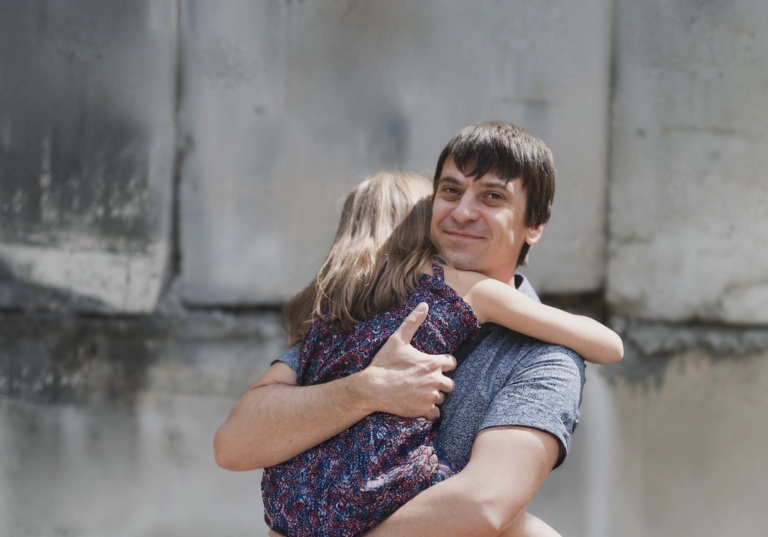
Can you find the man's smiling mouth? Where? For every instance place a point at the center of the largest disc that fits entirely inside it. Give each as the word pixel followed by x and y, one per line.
pixel 462 235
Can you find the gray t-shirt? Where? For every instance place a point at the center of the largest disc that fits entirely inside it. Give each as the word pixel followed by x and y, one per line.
pixel 503 379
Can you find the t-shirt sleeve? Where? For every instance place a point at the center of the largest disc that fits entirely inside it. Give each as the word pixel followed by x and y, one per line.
pixel 544 393
pixel 290 358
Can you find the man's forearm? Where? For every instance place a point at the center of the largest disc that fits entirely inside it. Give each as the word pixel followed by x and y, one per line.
pixel 448 509
pixel 507 467
pixel 453 510
pixel 273 423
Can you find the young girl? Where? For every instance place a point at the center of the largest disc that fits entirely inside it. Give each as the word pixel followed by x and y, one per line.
pixel 381 265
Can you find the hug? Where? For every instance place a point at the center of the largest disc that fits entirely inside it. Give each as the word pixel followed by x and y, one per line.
pixel 427 390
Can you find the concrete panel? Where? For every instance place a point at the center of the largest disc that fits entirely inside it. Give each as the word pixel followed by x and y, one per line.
pixel 86 154
pixel 95 472
pixel 689 453
pixel 286 105
pixel 689 204
pixel 106 426
pixel 677 454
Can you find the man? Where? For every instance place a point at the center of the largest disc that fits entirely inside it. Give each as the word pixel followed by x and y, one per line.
pixel 508 421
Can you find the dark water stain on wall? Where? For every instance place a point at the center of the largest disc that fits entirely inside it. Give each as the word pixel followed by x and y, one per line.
pixel 388 138
pixel 77 123
pixel 650 346
pixel 88 361
pixel 52 359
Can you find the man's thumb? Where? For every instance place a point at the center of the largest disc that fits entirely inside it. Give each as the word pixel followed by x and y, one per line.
pixel 413 322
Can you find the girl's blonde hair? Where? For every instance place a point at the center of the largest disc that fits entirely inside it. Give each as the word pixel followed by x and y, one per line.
pixel 376 259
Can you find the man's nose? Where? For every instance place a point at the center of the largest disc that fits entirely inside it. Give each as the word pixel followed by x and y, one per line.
pixel 465 210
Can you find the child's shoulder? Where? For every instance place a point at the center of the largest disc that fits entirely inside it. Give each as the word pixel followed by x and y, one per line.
pixel 462 281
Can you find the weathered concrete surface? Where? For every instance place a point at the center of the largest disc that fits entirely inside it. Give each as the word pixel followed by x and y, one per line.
pixel 105 471
pixel 681 457
pixel 689 455
pixel 106 427
pixel 68 360
pixel 86 154
pixel 285 105
pixel 689 203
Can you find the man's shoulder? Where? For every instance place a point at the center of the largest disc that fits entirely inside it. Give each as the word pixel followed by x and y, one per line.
pixel 500 347
pixel 509 379
pixel 532 347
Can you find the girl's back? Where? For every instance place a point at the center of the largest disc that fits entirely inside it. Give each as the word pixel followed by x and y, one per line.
pixel 348 484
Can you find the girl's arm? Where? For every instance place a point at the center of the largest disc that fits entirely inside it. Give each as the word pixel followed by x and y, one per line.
pixel 494 301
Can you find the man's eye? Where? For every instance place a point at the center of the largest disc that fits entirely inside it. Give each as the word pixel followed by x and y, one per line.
pixel 450 190
pixel 495 196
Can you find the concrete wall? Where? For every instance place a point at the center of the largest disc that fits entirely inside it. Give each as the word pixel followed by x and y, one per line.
pixel 286 105
pixel 86 154
pixel 687 456
pixel 171 171
pixel 689 210
pixel 677 454
pixel 106 426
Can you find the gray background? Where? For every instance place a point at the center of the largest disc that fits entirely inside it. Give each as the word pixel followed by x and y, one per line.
pixel 172 170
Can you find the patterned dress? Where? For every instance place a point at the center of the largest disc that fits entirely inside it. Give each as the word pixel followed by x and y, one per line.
pixel 351 482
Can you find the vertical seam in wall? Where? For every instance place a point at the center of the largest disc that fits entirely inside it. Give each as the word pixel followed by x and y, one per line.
pixel 179 149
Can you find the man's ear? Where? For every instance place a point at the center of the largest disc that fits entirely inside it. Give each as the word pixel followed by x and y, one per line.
pixel 533 234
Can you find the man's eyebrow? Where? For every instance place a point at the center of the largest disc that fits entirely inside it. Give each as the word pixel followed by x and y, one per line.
pixel 493 183
pixel 450 180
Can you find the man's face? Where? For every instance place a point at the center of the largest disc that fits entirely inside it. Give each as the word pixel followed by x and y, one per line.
pixel 480 224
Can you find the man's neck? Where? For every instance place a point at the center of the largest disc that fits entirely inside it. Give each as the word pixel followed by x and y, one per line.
pixel 504 275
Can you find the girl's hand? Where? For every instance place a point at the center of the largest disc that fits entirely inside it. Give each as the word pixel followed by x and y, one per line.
pixel 273 533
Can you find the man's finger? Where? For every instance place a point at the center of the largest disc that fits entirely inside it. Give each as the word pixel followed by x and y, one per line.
pixel 446 385
pixel 449 362
pixel 412 323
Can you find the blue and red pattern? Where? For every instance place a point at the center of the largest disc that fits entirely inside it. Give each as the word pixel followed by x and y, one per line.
pixel 351 482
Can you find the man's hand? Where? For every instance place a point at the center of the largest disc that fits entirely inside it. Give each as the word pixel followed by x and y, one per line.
pixel 276 420
pixel 404 381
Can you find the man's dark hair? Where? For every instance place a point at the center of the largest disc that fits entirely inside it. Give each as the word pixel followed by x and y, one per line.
pixel 510 153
